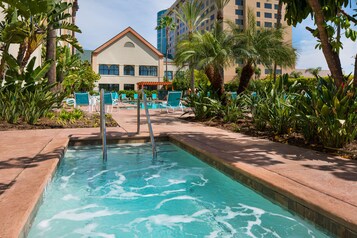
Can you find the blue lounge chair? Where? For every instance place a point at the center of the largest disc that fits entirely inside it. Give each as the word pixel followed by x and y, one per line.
pixel 136 96
pixel 109 101
pixel 123 97
pixel 173 101
pixel 234 95
pixel 115 96
pixel 154 96
pixel 82 99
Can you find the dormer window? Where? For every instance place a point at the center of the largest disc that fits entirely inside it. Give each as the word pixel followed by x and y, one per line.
pixel 129 45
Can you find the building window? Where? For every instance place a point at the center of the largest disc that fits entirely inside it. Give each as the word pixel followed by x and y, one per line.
pixel 268 24
pixel 276 6
pixel 148 70
pixel 150 87
pixel 103 69
pixel 267 71
pixel 268 5
pixel 108 70
pixel 239 12
pixel 258 23
pixel 239 22
pixel 109 87
pixel 267 15
pixel 129 86
pixel 258 14
pixel 212 17
pixel 169 75
pixel 129 45
pixel 129 70
pixel 239 2
pixel 258 4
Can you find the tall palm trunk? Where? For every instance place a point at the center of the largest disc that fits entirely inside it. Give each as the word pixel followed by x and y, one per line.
pixel 217 81
pixel 247 73
pixel 278 26
pixel 3 60
pixel 219 73
pixel 332 58
pixel 355 72
pixel 51 54
pixel 167 51
pixel 191 68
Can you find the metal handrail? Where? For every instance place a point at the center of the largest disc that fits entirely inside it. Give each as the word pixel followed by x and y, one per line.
pixel 103 129
pixel 152 138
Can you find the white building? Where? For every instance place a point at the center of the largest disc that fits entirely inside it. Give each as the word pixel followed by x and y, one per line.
pixel 128 59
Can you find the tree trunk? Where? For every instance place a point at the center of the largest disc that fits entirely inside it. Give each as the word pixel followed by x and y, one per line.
pixel 247 73
pixel 332 58
pixel 51 53
pixel 355 73
pixel 191 67
pixel 192 71
pixel 220 19
pixel 218 82
pixel 21 54
pixel 3 61
pixel 278 26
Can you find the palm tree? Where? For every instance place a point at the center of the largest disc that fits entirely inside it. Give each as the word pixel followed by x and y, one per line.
pixel 314 71
pixel 168 24
pixel 220 4
pixel 295 74
pixel 278 26
pixel 211 52
pixel 190 16
pixel 263 46
pixel 56 19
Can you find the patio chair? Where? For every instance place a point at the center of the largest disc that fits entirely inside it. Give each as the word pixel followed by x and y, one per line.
pixel 109 101
pixel 136 96
pixel 154 96
pixel 123 97
pixel 115 96
pixel 173 101
pixel 82 99
pixel 234 95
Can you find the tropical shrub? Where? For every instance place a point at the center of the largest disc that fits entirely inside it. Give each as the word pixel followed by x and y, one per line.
pixel 272 106
pixel 26 95
pixel 328 112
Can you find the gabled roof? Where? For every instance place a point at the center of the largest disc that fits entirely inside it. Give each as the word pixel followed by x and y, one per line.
pixel 121 35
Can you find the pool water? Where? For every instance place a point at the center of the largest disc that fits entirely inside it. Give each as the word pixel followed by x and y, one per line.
pixel 179 196
pixel 151 105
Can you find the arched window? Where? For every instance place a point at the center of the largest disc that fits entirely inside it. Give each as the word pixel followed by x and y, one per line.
pixel 114 70
pixel 129 70
pixel 129 45
pixel 103 69
pixel 108 69
pixel 148 70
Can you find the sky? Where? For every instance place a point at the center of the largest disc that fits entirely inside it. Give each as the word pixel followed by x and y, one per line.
pixel 102 20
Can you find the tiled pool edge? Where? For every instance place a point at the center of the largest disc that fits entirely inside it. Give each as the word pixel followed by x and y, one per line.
pixel 307 209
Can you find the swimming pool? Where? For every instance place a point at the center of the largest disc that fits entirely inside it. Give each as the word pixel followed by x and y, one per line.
pixel 151 105
pixel 180 196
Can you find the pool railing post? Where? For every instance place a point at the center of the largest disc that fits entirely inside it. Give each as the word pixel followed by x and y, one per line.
pixel 138 114
pixel 103 130
pixel 151 132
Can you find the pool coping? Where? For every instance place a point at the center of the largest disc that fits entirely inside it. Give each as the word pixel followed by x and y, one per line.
pixel 323 210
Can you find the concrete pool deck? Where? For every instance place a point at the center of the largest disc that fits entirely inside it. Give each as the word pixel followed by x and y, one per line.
pixel 315 181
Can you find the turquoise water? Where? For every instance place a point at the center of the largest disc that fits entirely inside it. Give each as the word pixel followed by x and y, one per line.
pixel 151 105
pixel 180 196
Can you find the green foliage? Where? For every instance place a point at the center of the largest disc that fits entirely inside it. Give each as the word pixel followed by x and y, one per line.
pixel 181 81
pixel 328 112
pixel 75 75
pixel 272 106
pixel 27 95
pixel 65 117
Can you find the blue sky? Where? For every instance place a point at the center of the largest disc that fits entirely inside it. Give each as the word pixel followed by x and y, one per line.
pixel 101 20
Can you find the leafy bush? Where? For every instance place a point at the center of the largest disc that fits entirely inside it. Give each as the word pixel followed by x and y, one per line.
pixel 27 95
pixel 70 116
pixel 272 106
pixel 329 113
